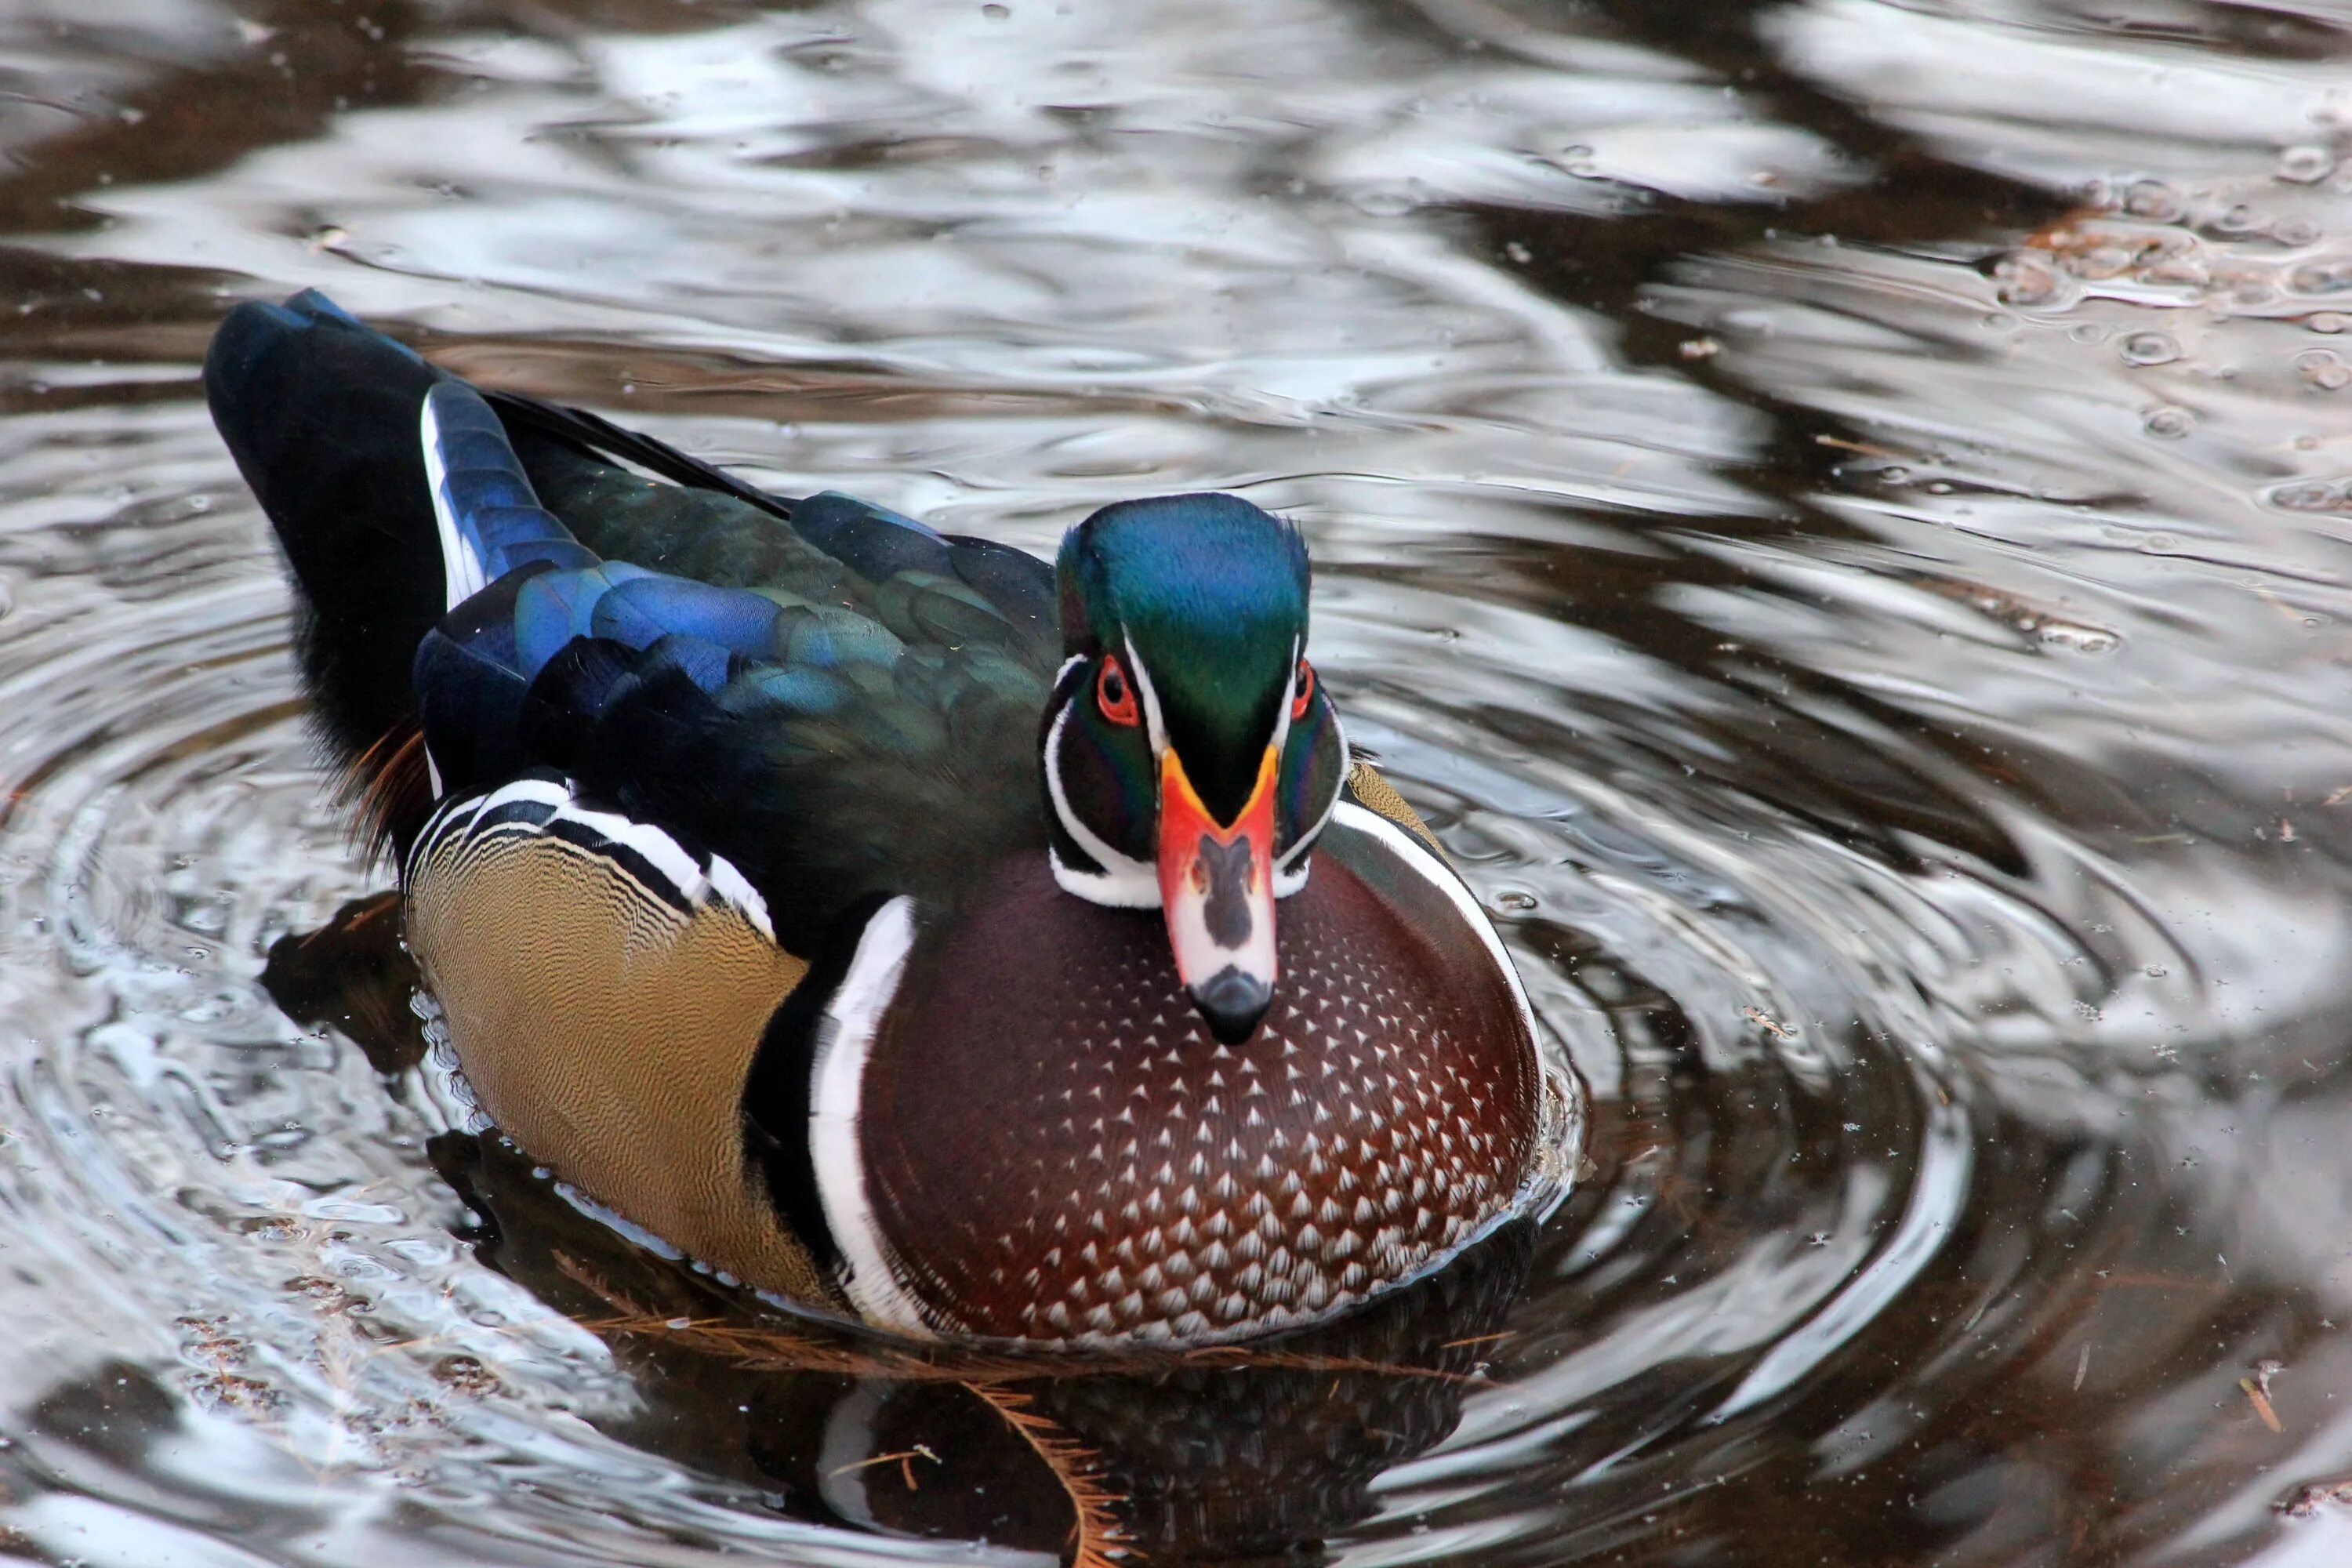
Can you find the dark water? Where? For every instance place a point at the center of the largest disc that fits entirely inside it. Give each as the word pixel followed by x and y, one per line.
pixel 1840 513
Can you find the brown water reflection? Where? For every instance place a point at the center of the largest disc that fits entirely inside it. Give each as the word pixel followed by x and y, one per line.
pixel 1837 511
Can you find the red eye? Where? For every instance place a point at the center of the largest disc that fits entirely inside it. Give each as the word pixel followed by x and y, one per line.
pixel 1298 704
pixel 1113 695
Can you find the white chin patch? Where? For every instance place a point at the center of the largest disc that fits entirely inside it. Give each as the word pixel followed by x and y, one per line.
pixel 1133 887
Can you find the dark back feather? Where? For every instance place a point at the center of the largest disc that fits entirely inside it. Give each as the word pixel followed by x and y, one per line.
pixel 839 699
pixel 320 414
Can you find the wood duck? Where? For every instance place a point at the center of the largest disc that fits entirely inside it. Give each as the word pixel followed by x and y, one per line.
pixel 886 918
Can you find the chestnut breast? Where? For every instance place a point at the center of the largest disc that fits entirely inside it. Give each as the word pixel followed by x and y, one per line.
pixel 1055 1147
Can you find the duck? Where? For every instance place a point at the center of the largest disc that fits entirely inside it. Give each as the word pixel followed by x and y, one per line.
pixel 889 922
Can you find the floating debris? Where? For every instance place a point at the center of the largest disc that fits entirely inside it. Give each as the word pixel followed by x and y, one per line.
pixel 2043 624
pixel 2258 1392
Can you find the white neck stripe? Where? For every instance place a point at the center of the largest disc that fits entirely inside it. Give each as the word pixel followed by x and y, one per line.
pixel 1416 855
pixel 845 1039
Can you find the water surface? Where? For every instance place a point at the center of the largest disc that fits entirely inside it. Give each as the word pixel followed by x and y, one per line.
pixel 1837 512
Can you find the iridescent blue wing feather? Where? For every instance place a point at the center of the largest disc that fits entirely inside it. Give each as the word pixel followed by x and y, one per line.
pixel 489 518
pixel 840 698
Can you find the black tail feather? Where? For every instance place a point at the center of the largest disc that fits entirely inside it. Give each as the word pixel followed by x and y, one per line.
pixel 320 413
pixel 593 436
pixel 323 414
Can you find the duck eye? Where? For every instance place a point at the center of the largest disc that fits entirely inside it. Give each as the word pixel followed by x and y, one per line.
pixel 1298 704
pixel 1113 695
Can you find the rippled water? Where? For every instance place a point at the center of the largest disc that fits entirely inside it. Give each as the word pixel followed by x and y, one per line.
pixel 1837 512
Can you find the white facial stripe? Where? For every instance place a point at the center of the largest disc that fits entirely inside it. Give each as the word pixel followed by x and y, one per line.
pixel 844 1040
pixel 461 570
pixel 1154 726
pixel 1132 884
pixel 1402 845
pixel 1124 882
pixel 1289 701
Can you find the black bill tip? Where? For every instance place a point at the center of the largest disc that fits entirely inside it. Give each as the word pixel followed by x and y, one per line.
pixel 1233 1002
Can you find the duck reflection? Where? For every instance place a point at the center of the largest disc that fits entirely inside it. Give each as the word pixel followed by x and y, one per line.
pixel 1232 1451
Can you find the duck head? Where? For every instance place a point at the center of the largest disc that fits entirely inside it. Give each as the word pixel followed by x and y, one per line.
pixel 1190 756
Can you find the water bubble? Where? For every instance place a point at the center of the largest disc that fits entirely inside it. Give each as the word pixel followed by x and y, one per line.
pixel 2321 277
pixel 2324 321
pixel 2152 199
pixel 2171 421
pixel 2150 347
pixel 2026 278
pixel 1576 159
pixel 2323 369
pixel 2104 262
pixel 2304 495
pixel 2303 166
pixel 2089 332
pixel 2239 219
pixel 2077 637
pixel 1384 201
pixel 996 13
pixel 2294 231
